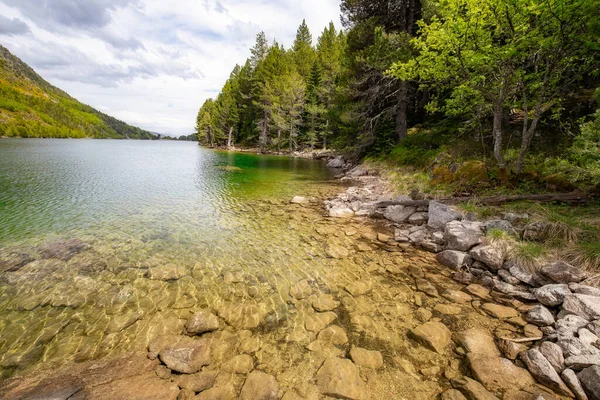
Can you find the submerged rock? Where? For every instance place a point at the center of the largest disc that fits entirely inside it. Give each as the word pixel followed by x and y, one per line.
pixel 339 378
pixel 166 273
pixel 197 382
pixel 202 321
pixel 325 302
pixel 186 356
pixel 260 386
pixel 366 358
pixel 63 250
pixel 433 335
pixel 498 374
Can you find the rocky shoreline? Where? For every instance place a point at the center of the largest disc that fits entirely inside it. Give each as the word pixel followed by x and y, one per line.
pixel 557 315
pixel 396 322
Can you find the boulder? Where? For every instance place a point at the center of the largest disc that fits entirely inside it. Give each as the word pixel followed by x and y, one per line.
pixel 543 371
pixel 584 289
pixel 340 211
pixel 337 162
pixel 242 316
pixel 498 311
pixel 590 380
pixel 552 295
pixel 440 214
pixel 489 255
pixel 477 340
pixel 575 347
pixel 573 383
pixel 433 335
pixel 502 225
pixel 567 326
pixel 452 394
pixel 202 321
pixel 498 374
pixel 186 356
pixel 594 327
pixel 553 354
pixel 581 362
pixel 587 337
pixel 197 382
pixel 366 358
pixel 260 386
pixel 510 349
pixel 522 273
pixel 561 272
pixel 339 378
pixel 540 316
pixel 418 218
pixel 585 306
pixel 325 302
pixel 398 214
pixel 454 259
pixel 462 235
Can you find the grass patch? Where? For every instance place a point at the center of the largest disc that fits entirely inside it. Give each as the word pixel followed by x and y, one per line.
pixel 528 253
pixel 584 255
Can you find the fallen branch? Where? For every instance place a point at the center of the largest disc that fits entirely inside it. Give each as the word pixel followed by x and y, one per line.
pixel 574 197
pixel 523 340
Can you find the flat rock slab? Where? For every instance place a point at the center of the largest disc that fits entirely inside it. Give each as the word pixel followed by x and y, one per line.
pixel 433 335
pixel 340 378
pixel 498 311
pixel 359 288
pixel 562 272
pixel 498 374
pixel 143 387
pixel 477 340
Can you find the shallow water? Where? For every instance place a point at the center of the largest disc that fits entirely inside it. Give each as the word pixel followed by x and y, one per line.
pixel 105 245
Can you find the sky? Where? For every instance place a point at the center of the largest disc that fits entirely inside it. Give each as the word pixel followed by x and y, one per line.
pixel 150 63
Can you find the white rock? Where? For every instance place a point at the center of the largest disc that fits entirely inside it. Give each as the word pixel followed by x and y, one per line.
pixel 489 255
pixel 462 235
pixel 440 214
pixel 585 306
pixel 299 200
pixel 552 295
pixel 540 316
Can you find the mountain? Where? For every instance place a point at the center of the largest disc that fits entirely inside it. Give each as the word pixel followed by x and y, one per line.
pixel 32 107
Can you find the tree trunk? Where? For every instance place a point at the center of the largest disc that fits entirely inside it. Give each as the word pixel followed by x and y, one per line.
pixel 262 140
pixel 401 125
pixel 497 129
pixel 279 140
pixel 229 138
pixel 325 135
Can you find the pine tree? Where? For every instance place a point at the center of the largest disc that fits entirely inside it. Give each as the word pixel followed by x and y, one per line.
pixel 304 53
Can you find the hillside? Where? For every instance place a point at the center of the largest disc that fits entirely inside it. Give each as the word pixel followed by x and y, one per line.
pixel 32 107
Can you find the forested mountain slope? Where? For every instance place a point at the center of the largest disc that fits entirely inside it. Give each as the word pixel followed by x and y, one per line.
pixel 32 107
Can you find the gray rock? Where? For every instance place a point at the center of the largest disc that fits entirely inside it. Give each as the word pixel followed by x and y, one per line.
pixel 590 380
pixel 561 272
pixel 440 214
pixel 587 337
pixel 462 235
pixel 514 291
pixel 357 171
pixel 431 246
pixel 454 259
pixel 418 218
pixel 417 236
pixel 514 217
pixel 398 214
pixel 581 362
pixel 568 325
pixel 337 162
pixel 552 295
pixel 585 306
pixel 573 383
pixel 341 211
pixel 543 371
pixel 575 347
pixel 507 277
pixel 540 316
pixel 584 289
pixel 553 354
pixel 502 225
pixel 535 231
pixel 438 237
pixel 63 250
pixel 489 255
pixel 594 327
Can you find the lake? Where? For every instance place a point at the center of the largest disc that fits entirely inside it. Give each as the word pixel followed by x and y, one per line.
pixel 107 246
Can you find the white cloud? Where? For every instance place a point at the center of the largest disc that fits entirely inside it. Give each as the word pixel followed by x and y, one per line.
pixel 151 63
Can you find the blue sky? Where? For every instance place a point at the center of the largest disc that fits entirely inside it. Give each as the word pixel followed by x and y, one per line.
pixel 151 63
